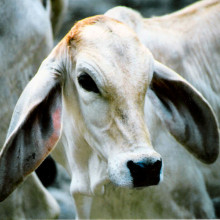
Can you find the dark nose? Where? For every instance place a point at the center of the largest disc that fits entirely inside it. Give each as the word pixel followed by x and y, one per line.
pixel 145 173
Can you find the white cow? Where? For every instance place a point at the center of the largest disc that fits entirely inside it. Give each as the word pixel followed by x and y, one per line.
pixel 26 38
pixel 118 113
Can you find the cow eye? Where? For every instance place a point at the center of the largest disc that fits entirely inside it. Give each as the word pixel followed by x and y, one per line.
pixel 87 83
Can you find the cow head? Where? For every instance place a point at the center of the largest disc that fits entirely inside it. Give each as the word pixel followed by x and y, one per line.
pixel 90 94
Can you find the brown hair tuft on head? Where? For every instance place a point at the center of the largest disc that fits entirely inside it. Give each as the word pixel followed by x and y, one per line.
pixel 74 33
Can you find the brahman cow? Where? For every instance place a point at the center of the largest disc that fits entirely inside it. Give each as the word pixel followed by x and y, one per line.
pixel 121 121
pixel 26 33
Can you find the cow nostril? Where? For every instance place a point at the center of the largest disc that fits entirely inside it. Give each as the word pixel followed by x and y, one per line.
pixel 136 167
pixel 145 173
pixel 156 166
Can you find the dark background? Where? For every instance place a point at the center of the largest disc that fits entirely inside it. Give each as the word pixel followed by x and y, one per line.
pixel 79 9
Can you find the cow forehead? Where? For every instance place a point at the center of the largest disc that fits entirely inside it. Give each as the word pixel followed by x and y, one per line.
pixel 90 28
pixel 115 48
pixel 109 38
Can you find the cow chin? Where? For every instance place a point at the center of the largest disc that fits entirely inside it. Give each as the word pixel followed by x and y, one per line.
pixel 131 170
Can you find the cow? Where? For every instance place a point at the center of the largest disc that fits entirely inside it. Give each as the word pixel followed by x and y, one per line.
pixel 128 129
pixel 26 33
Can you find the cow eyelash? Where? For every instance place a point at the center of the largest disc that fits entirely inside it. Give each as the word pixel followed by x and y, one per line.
pixel 87 83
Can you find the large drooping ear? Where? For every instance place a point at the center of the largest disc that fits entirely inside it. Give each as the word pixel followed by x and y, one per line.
pixel 185 112
pixel 34 130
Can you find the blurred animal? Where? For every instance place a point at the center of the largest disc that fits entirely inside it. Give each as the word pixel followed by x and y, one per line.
pixel 125 120
pixel 26 35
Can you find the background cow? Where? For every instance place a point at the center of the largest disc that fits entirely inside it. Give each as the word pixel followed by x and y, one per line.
pixel 26 33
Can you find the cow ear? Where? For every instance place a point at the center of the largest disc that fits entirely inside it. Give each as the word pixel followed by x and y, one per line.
pixel 34 130
pixel 185 112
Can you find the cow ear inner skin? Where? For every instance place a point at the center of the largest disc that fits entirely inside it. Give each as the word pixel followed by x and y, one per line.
pixel 185 112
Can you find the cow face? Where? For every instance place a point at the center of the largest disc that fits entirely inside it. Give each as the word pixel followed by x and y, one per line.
pixel 109 77
pixel 90 94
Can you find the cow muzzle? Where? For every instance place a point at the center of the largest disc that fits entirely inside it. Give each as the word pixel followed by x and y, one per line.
pixel 146 172
pixel 135 170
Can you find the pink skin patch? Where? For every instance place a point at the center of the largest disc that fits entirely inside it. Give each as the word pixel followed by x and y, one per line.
pixel 42 151
pixel 56 116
